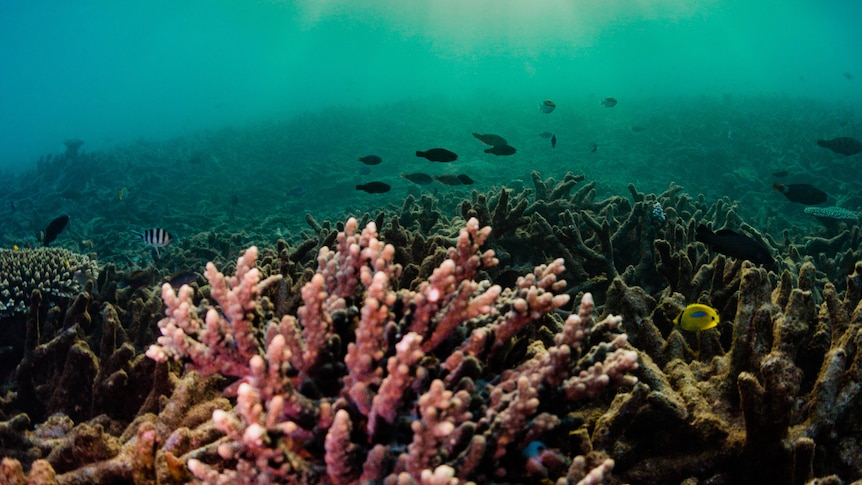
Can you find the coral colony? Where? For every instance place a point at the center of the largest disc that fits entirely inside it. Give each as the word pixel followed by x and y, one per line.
pixel 404 353
pixel 273 422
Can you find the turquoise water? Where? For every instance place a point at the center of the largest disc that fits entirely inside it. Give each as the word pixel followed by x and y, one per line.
pixel 114 72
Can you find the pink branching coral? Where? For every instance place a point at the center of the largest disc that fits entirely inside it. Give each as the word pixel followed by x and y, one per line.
pixel 225 341
pixel 407 355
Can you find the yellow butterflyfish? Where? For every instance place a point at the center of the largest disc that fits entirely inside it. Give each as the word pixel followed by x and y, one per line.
pixel 697 317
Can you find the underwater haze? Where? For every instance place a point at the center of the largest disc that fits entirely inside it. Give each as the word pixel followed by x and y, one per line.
pixel 112 72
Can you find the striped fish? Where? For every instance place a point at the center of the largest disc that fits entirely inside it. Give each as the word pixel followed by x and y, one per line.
pixel 155 237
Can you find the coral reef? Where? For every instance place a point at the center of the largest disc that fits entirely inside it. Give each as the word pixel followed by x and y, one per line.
pixel 415 345
pixel 275 424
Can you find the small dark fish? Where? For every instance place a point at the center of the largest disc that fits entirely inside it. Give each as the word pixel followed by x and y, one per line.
pixel 735 245
pixel 547 106
pixel 847 75
pixel 802 193
pixel 234 199
pixel 12 205
pixel 438 155
pixel 508 278
pixel 465 179
pixel 501 150
pixel 374 187
pixel 448 179
pixel 546 134
pixel 637 128
pixel 182 277
pixel 54 229
pixel 370 160
pixel 608 102
pixel 418 178
pixel 844 145
pixel 780 173
pixel 155 237
pixel 554 141
pixel 593 147
pixel 295 191
pixel 489 139
pixel 137 279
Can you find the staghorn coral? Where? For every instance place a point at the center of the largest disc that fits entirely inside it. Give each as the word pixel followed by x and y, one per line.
pixel 273 422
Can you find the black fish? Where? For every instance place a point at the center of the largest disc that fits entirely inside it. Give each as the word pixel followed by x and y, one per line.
pixel 735 245
pixel 802 193
pixel 844 145
pixel 465 179
pixel 137 279
pixel 508 278
pixel 608 102
pixel 593 147
pixel 438 155
pixel 54 229
pixel 418 178
pixel 780 173
pixel 374 187
pixel 155 237
pixel 370 160
pixel 553 141
pixel 501 150
pixel 448 179
pixel 182 277
pixel 489 139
